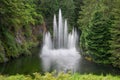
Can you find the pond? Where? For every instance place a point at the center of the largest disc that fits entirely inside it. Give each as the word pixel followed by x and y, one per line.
pixel 34 63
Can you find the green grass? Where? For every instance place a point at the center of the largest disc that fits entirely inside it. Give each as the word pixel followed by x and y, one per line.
pixel 60 76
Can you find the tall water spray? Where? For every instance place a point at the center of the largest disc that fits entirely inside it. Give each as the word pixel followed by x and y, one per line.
pixel 61 38
pixel 61 50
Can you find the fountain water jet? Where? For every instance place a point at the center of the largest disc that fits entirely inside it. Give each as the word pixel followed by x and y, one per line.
pixel 62 49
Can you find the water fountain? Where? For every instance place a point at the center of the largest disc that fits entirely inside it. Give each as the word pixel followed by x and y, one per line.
pixel 60 53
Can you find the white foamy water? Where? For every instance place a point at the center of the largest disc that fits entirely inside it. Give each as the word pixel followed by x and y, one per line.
pixel 60 52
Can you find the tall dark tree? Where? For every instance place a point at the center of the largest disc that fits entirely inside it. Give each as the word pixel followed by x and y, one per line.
pixel 84 20
pixel 51 7
pixel 115 32
pixel 99 22
pixel 98 37
pixel 78 4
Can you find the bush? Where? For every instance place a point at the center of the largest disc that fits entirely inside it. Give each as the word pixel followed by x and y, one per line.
pixel 60 76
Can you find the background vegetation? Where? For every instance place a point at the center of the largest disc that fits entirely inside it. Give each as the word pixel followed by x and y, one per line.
pixel 17 21
pixel 99 22
pixel 22 22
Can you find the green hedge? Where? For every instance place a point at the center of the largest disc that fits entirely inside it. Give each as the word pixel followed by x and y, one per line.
pixel 60 76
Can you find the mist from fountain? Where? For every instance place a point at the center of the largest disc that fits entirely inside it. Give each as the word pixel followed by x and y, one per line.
pixel 61 50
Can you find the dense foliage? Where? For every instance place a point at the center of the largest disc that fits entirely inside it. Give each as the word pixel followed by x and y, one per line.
pixel 20 22
pixel 61 76
pixel 17 18
pixel 115 33
pixel 99 22
pixel 51 7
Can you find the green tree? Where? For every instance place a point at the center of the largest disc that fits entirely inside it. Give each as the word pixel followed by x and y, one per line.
pixel 16 18
pixel 98 38
pixel 78 4
pixel 95 24
pixel 115 32
pixel 84 20
pixel 68 7
pixel 99 22
pixel 51 7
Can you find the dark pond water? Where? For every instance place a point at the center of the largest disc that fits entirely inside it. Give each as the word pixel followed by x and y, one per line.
pixel 33 63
